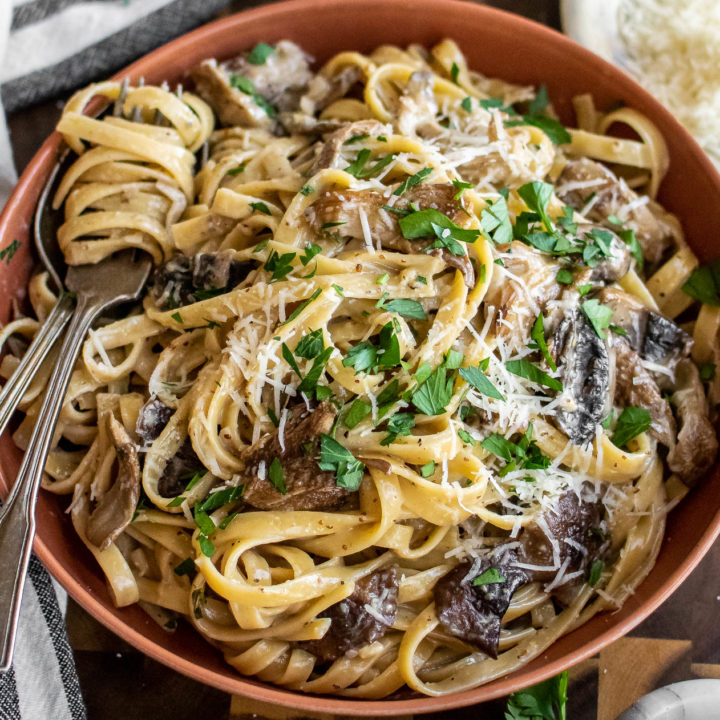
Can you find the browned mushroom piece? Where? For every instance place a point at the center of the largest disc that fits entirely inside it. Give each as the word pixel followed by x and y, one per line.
pixel 418 108
pixel 115 509
pixel 323 91
pixel 584 365
pixel 342 209
pixel 651 335
pixel 636 387
pixel 330 149
pixel 570 535
pixel 183 280
pixel 473 612
pixel 607 269
pixel 586 182
pixel 154 415
pixel 297 449
pixel 179 470
pixel 277 83
pixel 361 618
pixel 697 445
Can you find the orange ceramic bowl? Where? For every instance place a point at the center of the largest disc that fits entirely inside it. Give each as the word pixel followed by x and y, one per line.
pixel 497 44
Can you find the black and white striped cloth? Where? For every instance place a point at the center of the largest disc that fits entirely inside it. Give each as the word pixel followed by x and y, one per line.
pixel 48 48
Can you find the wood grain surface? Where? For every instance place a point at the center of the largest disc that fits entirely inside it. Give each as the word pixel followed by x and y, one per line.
pixel 680 641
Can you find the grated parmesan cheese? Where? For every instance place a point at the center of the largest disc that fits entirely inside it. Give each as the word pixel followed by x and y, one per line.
pixel 674 53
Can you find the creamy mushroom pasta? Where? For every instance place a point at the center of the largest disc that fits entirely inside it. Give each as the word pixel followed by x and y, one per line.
pixel 417 377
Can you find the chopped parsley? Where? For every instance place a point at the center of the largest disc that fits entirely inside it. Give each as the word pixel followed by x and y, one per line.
pixel 550 126
pixel 186 567
pixel 279 265
pixel 466 104
pixel 311 345
pixel 477 378
pixel 537 196
pixel 302 306
pixel 310 252
pixel 427 470
pixel 382 280
pixel 236 170
pixel 431 222
pixel 277 476
pixel 564 276
pixel 359 168
pixel 704 284
pixel 306 190
pixel 217 499
pixel 399 425
pixel 406 308
pixel 495 222
pixel 628 237
pixel 433 395
pixel 454 72
pixel 466 437
pixel 538 335
pixel 7 253
pixel 357 413
pixel 261 207
pixel 632 422
pixel 491 576
pixel 412 181
pixel 367 356
pixel 260 53
pixel 245 85
pixel 523 454
pixel 177 317
pixel 707 371
pixel 356 138
pixel 545 701
pixel 596 571
pixel 525 369
pixel 461 186
pixel 339 290
pixel 599 316
pixel 338 459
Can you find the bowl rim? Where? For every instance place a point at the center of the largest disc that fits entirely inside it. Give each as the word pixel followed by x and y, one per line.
pixel 33 177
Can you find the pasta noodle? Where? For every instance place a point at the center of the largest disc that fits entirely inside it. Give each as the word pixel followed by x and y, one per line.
pixel 393 409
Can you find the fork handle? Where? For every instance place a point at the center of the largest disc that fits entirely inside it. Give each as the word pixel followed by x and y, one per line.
pixel 17 520
pixel 15 387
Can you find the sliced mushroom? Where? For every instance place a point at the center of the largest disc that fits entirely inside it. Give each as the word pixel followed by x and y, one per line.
pixel 651 335
pixel 697 445
pixel 176 283
pixel 570 535
pixel 330 150
pixel 472 612
pixel 115 509
pixel 417 106
pixel 306 486
pixel 585 182
pixel 342 209
pixel 584 366
pixel 362 618
pixel 636 387
pixel 322 91
pixel 154 415
pixel 178 470
pixel 611 267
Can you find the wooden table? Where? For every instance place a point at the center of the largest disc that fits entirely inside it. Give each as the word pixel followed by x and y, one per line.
pixel 679 641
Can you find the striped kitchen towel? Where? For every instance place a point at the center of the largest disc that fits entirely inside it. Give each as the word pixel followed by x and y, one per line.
pixel 47 49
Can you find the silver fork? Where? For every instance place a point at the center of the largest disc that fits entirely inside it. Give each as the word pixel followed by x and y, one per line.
pixel 119 278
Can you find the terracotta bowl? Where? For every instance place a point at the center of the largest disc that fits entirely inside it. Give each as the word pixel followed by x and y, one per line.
pixel 497 44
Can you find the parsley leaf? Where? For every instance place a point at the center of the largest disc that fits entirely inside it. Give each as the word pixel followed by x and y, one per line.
pixel 399 425
pixel 186 567
pixel 427 470
pixel 277 476
pixel 495 222
pixel 454 72
pixel 525 369
pixel 545 701
pixel 434 394
pixel 539 102
pixel 461 186
pixel 260 53
pixel 550 126
pixel 302 306
pixel 246 86
pixel 413 180
pixel 358 167
pixel 306 190
pixel 632 422
pixel 311 345
pixel 537 196
pixel 361 357
pixel 466 104
pixel 599 316
pixel 596 571
pixel 310 252
pixel 704 284
pixel 431 222
pixel 357 413
pixel 338 459
pixel 466 437
pixel 401 306
pixel 261 207
pixel 217 499
pixel 707 371
pixel 477 378
pixel 491 576
pixel 309 383
pixel 538 335
pixel 7 253
pixel 628 237
pixel 279 265
pixel 564 276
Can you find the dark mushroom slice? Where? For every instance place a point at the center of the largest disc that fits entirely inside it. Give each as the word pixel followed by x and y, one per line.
pixel 636 387
pixel 584 365
pixel 184 280
pixel 651 335
pixel 697 445
pixel 330 150
pixel 584 178
pixel 115 509
pixel 472 612
pixel 574 534
pixel 154 415
pixel 360 619
pixel 179 470
pixel 341 210
pixel 297 449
